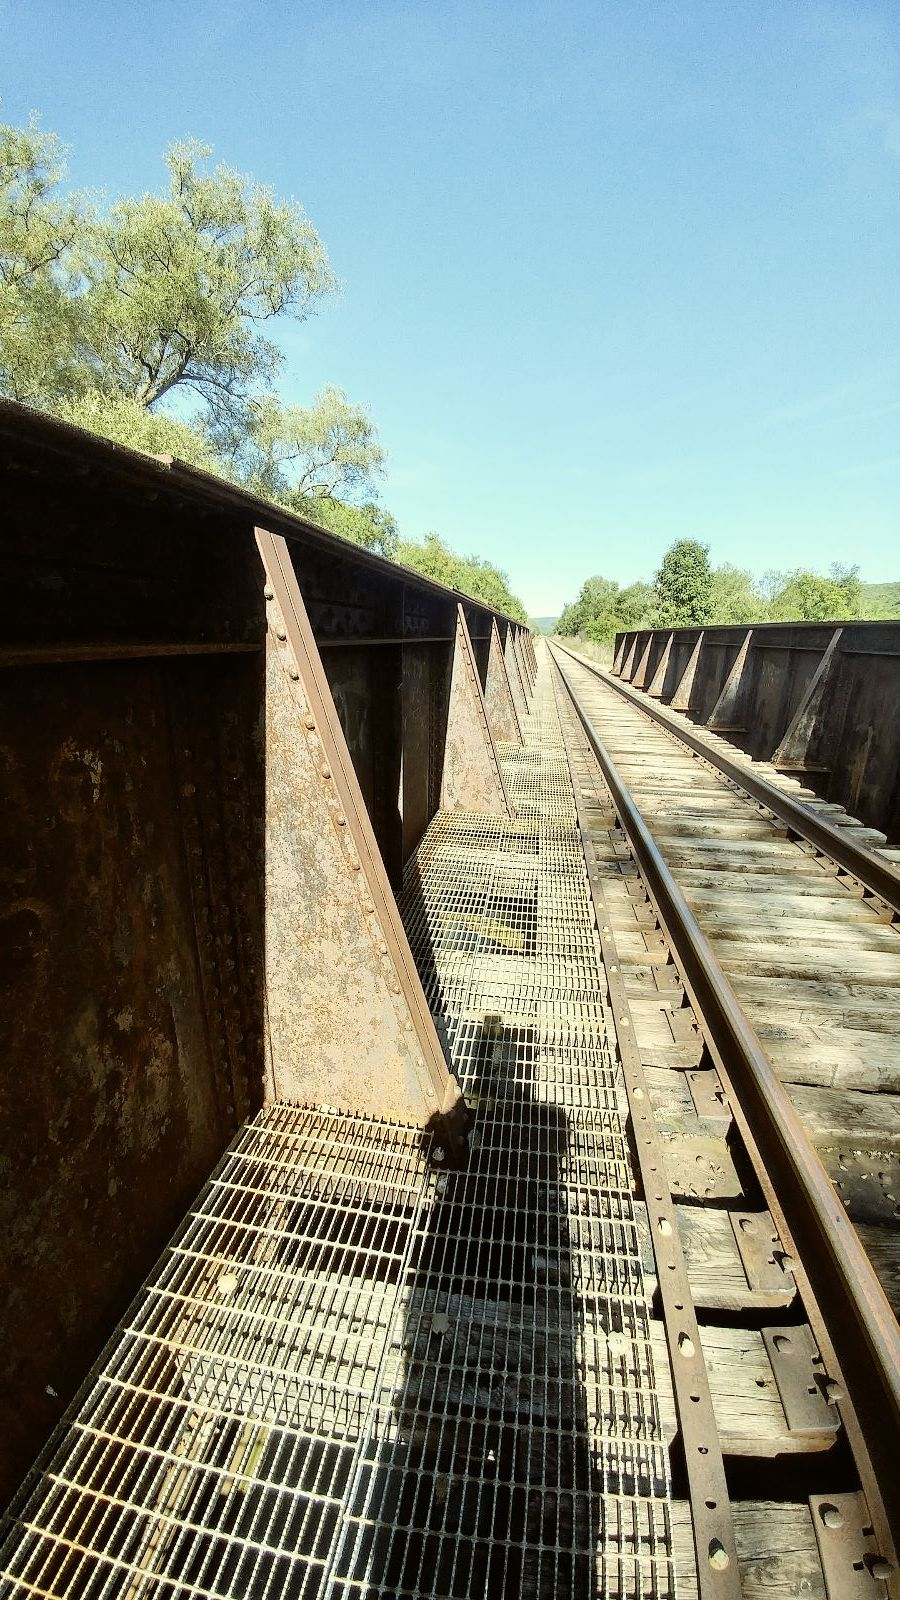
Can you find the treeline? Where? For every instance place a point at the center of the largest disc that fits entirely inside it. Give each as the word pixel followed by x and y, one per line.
pixel 687 591
pixel 146 322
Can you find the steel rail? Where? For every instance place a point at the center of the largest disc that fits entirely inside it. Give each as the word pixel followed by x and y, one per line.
pixel 871 869
pixel 860 1322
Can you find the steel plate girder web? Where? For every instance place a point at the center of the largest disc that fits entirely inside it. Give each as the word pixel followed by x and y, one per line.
pixel 861 1324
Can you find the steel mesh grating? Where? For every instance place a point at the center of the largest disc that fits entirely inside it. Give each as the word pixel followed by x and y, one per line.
pixel 214 1447
pixel 516 1446
pixel 352 1375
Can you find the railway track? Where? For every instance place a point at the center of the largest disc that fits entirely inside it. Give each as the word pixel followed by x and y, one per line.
pixel 753 956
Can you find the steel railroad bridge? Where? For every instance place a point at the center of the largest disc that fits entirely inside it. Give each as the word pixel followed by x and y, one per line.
pixel 450 1127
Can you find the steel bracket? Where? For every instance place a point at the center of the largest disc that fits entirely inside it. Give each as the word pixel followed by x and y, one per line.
pixel 797 1369
pixel 851 1566
pixel 347 1019
pixel 759 1246
pixel 710 1099
pixel 472 780
pixel 498 695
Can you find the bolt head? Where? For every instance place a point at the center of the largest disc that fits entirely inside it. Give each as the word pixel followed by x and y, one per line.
pixel 719 1558
pixel 831 1516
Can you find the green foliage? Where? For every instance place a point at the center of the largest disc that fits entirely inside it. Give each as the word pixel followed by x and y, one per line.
pixel 368 525
pixel 177 285
pixel 733 598
pixel 469 574
pixel 848 581
pixel 295 453
pixel 39 316
pixel 636 605
pixel 684 586
pixel 164 292
pixel 880 600
pixel 124 419
pixel 807 597
pixel 603 609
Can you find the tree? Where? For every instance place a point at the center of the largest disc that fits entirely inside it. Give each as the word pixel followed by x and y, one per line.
pixel 176 286
pixel 684 586
pixel 165 293
pixel 603 609
pixel 120 417
pixel 295 454
pixel 636 606
pixel 368 525
pixel 733 598
pixel 847 579
pixel 469 574
pixel 38 315
pixel 808 597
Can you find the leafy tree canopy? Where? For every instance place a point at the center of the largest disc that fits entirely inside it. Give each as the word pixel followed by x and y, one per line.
pixel 807 597
pixel 295 453
pixel 122 418
pixel 687 592
pixel 684 586
pixel 177 286
pixel 368 525
pixel 603 609
pixel 469 574
pixel 733 598
pixel 38 230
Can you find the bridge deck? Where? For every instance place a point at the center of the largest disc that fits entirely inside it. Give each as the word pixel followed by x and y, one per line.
pixel 353 1373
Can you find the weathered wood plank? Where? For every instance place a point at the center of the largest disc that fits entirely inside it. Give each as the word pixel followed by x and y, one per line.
pixel 717 1274
pixel 776 1545
pixel 749 1413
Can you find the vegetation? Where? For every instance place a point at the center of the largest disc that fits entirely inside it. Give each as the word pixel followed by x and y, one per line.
pixel 688 592
pixel 881 599
pixel 147 323
pixel 683 586
pixel 470 574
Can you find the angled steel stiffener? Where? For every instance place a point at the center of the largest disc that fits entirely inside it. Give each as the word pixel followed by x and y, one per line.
pixel 347 1022
pixel 472 780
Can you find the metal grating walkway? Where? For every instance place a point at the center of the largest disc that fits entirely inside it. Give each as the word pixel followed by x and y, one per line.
pixel 352 1375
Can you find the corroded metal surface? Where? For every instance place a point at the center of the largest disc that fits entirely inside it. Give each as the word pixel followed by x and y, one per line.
pixel 810 697
pixel 352 1374
pixel 132 690
pixel 514 672
pixel 347 1021
pixel 131 1024
pixel 472 780
pixel 501 708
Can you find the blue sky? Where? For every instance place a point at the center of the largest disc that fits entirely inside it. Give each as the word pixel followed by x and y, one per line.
pixel 612 274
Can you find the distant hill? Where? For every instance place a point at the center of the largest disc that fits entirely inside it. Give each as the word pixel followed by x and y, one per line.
pixel 881 599
pixel 547 624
